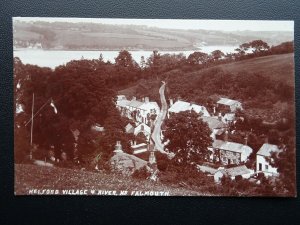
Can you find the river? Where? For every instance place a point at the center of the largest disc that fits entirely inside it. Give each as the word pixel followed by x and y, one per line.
pixel 54 58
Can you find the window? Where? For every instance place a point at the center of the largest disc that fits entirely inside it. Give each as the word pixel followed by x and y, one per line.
pixel 260 167
pixel 266 167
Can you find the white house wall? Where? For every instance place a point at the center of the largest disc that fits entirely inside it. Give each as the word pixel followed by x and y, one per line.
pixel 268 172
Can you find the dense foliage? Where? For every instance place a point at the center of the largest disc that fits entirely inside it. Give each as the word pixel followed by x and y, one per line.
pixel 82 97
pixel 188 137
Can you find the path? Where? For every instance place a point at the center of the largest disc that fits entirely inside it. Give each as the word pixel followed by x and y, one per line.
pixel 160 118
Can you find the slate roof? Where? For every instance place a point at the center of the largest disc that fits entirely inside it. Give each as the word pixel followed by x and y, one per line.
pixel 231 146
pixel 128 161
pixel 123 103
pixel 235 171
pixel 181 106
pixel 206 169
pixel 135 103
pixel 213 123
pixel 129 128
pixel 150 105
pixel 226 101
pixel 266 149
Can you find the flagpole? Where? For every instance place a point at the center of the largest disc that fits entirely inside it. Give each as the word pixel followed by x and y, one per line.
pixel 37 112
pixel 31 126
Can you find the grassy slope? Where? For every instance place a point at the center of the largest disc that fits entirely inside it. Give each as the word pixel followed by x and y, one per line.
pixel 38 177
pixel 278 67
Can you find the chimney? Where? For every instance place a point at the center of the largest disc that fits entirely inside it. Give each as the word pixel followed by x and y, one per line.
pixel 266 139
pixel 118 147
pixel 146 99
pixel 152 159
pixel 220 117
pixel 171 101
pixel 214 110
pixel 133 98
pixel 226 136
pixel 246 140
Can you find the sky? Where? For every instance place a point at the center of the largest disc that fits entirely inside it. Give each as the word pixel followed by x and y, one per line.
pixel 220 25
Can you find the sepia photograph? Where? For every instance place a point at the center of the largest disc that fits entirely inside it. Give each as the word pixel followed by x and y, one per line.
pixel 154 107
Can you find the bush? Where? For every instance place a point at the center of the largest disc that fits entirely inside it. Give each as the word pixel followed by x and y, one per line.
pixel 141 173
pixel 162 161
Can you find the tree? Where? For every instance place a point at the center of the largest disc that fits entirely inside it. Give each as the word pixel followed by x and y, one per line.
pixel 80 96
pixel 188 137
pixel 154 62
pixel 285 162
pixel 217 54
pixel 124 59
pixel 197 58
pixel 259 46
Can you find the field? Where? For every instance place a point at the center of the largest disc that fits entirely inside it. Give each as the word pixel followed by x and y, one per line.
pixel 28 177
pixel 277 67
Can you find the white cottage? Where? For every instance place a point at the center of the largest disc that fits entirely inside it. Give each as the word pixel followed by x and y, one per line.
pixel 138 110
pixel 229 104
pixel 181 106
pixel 262 164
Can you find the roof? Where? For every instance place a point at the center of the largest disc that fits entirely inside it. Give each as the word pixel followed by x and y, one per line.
pixel 149 105
pixel 266 149
pixel 138 129
pixel 129 128
pixel 206 169
pixel 121 97
pixel 227 101
pixel 213 123
pixel 123 103
pixel 128 160
pixel 231 146
pixel 138 146
pixel 236 171
pixel 135 103
pixel 181 106
pixel 97 127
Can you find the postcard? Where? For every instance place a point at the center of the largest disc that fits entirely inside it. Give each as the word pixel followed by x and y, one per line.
pixel 154 107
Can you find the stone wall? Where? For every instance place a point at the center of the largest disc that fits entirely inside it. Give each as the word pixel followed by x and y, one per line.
pixel 234 157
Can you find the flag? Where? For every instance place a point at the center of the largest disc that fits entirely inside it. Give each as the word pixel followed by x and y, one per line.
pixel 52 104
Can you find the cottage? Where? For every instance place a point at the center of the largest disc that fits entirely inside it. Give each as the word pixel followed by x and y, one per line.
pixel 228 153
pixel 233 172
pixel 143 128
pixel 216 126
pixel 228 118
pixel 229 105
pixel 138 110
pixel 125 163
pixel 262 164
pixel 181 106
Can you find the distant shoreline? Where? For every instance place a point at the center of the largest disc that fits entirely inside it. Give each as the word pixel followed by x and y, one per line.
pixel 130 50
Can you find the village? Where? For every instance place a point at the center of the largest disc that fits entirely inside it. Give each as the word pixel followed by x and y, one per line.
pixel 226 159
